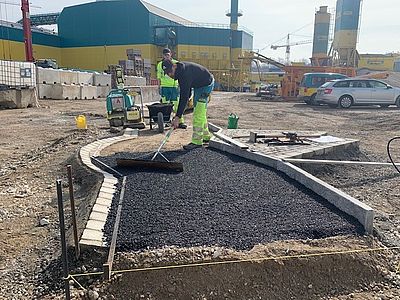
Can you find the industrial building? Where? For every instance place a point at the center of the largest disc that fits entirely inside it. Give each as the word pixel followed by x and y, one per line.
pixel 94 35
pixel 380 62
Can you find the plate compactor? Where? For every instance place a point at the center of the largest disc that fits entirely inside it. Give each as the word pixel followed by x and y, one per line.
pixel 122 110
pixel 121 107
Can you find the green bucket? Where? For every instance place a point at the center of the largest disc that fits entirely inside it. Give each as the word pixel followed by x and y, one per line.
pixel 233 121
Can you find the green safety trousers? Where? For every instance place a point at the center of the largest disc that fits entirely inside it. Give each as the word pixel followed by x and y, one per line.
pixel 201 134
pixel 171 95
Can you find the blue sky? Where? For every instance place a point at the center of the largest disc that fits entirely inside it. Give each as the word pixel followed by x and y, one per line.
pixel 270 20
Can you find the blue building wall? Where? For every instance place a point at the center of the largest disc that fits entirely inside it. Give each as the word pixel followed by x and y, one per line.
pixel 39 38
pixel 125 22
pixel 104 23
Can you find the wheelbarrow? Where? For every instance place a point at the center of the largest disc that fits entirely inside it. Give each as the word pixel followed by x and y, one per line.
pixel 160 115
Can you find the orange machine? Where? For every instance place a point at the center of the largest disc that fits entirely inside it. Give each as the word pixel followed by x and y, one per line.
pixel 293 74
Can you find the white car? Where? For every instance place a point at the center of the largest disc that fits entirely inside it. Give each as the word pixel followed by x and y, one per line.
pixel 345 93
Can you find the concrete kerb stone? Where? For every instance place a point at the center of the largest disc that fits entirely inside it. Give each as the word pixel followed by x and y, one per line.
pixel 93 235
pixel 351 206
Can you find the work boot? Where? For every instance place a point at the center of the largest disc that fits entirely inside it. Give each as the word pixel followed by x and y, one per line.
pixel 182 126
pixel 191 146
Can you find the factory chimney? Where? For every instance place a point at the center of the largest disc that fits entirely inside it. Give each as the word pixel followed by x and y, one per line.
pixel 234 14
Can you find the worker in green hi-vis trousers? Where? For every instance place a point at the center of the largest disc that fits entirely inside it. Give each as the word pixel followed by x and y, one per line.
pixel 192 76
pixel 169 87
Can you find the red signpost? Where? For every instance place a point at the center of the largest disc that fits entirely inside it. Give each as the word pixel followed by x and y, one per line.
pixel 27 30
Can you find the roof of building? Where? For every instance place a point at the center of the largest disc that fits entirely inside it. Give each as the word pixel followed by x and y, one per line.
pixel 166 14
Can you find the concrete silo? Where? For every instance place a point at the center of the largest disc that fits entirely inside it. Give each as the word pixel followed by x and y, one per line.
pixel 344 52
pixel 321 37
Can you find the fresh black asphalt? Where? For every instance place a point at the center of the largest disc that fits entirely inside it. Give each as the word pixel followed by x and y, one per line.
pixel 222 200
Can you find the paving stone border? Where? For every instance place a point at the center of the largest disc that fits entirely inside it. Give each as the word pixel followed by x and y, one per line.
pixel 93 232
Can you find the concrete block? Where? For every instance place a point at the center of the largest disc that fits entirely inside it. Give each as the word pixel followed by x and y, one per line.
pixel 135 81
pixel 102 91
pixel 134 132
pixel 48 76
pixel 98 216
pixel 88 92
pixel 108 185
pixel 46 91
pixel 150 94
pixel 100 208
pixel 68 77
pixel 90 243
pixel 68 92
pixel 18 98
pixel 59 91
pixel 85 78
pixel 95 225
pixel 93 235
pixel 103 201
pixel 107 190
pixel 101 79
pixel 351 206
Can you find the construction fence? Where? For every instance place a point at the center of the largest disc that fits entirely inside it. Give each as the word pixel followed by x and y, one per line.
pixel 15 74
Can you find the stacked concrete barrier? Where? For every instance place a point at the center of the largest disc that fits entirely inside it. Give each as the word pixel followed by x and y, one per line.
pixel 101 79
pixel 70 85
pixel 85 78
pixel 48 76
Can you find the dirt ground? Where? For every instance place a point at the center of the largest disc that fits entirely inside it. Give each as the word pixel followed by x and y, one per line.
pixel 37 143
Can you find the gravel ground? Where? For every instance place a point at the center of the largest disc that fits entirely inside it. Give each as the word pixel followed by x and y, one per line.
pixel 37 142
pixel 221 200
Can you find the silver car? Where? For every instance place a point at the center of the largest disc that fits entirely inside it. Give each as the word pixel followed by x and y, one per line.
pixel 347 92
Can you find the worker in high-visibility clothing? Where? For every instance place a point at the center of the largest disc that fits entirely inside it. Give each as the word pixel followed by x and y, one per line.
pixel 169 86
pixel 192 76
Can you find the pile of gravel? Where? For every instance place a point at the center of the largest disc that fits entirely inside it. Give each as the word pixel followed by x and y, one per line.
pixel 219 200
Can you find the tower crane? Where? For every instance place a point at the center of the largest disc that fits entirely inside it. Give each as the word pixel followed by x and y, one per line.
pixel 288 45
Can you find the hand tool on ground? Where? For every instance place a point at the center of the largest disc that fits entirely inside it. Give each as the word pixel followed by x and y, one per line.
pixel 153 164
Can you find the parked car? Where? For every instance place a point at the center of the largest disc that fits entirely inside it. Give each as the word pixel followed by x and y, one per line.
pixel 312 81
pixel 47 63
pixel 345 93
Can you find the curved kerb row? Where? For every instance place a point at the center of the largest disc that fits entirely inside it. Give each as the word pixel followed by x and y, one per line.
pixel 93 233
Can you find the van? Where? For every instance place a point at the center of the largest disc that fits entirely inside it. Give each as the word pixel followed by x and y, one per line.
pixel 312 81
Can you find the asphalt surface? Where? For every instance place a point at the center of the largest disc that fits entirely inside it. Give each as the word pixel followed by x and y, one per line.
pixel 220 200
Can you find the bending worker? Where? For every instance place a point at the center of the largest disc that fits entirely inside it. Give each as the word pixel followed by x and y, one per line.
pixel 169 86
pixel 191 75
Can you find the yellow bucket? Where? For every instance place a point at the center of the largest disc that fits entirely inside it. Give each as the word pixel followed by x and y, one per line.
pixel 81 122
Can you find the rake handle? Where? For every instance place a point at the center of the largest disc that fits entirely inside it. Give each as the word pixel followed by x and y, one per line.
pixel 163 142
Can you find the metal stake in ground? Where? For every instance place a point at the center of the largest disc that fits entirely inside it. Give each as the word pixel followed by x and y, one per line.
pixel 107 267
pixel 63 241
pixel 72 200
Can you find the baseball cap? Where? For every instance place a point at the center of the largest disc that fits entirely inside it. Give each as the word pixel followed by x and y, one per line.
pixel 166 50
pixel 167 66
